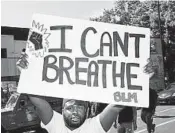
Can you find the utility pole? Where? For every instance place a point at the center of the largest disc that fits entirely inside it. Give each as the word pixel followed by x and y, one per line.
pixel 160 30
pixel 161 39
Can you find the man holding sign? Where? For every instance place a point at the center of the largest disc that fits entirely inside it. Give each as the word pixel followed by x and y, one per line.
pixel 73 118
pixel 102 62
pixel 74 114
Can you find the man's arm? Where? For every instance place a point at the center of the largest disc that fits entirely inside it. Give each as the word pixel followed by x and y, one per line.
pixel 43 108
pixel 109 115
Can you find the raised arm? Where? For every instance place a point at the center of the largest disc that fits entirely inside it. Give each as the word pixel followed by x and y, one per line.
pixel 43 108
pixel 109 115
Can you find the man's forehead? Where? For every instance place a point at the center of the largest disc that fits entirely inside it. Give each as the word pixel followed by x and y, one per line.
pixel 74 102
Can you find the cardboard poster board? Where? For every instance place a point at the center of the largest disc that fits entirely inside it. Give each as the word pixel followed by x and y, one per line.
pixel 85 60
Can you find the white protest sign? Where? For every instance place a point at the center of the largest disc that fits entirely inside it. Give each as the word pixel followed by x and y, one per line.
pixel 87 60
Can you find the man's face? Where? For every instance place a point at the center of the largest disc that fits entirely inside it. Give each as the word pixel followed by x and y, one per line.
pixel 74 113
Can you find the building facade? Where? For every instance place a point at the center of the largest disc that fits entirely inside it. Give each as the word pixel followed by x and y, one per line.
pixel 13 40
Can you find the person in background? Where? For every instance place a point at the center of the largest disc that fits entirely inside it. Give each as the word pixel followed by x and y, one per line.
pixel 101 107
pixel 147 113
pixel 127 120
pixel 93 109
pixel 4 97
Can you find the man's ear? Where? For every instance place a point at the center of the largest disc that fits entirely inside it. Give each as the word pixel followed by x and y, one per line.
pixel 62 110
pixel 87 112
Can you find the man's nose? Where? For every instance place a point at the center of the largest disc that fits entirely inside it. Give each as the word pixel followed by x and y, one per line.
pixel 75 109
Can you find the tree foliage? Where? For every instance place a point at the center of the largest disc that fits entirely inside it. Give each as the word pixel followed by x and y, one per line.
pixel 142 14
pixel 145 14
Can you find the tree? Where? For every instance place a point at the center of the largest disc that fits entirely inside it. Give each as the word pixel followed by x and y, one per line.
pixel 145 14
pixel 135 13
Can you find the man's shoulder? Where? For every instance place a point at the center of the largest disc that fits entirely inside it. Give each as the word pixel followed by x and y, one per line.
pixel 56 114
pixel 56 118
pixel 92 125
pixel 91 121
pixel 52 126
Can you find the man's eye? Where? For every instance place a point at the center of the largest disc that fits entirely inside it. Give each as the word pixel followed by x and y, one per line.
pixel 80 107
pixel 69 108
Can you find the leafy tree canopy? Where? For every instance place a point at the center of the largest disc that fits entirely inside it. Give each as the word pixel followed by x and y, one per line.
pixel 143 14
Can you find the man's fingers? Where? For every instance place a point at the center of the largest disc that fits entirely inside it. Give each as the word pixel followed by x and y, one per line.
pixel 148 68
pixel 19 68
pixel 22 63
pixel 148 71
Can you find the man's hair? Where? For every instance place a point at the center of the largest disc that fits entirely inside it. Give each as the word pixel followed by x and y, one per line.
pixel 67 100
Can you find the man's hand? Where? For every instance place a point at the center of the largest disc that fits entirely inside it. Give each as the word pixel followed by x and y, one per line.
pixel 22 63
pixel 149 69
pixel 149 66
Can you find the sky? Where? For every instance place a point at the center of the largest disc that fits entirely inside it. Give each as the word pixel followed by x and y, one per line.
pixel 19 13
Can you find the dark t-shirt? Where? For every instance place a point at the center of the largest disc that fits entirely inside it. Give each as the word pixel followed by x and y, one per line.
pixel 126 115
pixel 152 101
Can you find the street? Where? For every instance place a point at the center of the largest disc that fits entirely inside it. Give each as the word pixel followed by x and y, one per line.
pixel 164 120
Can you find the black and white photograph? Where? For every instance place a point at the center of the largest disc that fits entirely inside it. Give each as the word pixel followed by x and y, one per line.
pixel 88 66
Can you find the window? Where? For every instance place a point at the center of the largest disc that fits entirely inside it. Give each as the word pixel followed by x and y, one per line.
pixel 3 53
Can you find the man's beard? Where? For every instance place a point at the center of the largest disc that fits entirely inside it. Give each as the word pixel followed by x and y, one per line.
pixel 70 124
